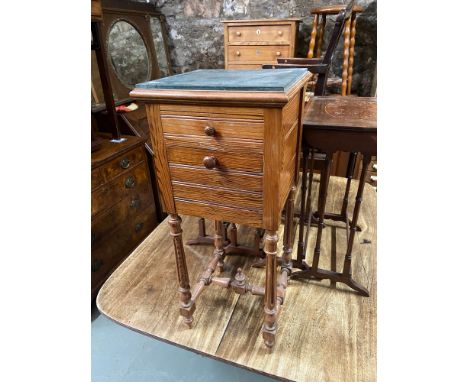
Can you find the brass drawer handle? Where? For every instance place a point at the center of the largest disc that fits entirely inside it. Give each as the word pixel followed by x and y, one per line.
pixel 210 131
pixel 210 162
pixel 238 33
pixel 278 53
pixel 96 265
pixel 135 203
pixel 130 182
pixel 138 227
pixel 125 163
pixel 237 53
pixel 280 33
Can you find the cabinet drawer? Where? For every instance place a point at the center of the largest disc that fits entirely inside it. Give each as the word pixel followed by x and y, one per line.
pixel 109 253
pixel 216 178
pixel 222 196
pixel 225 160
pixel 248 54
pixel 130 182
pixel 247 66
pixel 279 34
pixel 125 210
pixel 123 162
pixel 213 126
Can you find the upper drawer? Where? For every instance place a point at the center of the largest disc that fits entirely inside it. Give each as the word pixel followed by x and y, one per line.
pixel 213 127
pixel 118 165
pixel 267 33
pixel 257 53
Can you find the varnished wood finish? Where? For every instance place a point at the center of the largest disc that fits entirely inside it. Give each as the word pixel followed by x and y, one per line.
pixel 229 142
pixel 122 205
pixel 250 43
pixel 313 342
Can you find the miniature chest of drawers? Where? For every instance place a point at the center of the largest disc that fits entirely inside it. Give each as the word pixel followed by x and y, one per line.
pixel 227 148
pixel 250 43
pixel 122 205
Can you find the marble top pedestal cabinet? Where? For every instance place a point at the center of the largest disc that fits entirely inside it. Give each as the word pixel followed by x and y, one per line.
pixel 227 148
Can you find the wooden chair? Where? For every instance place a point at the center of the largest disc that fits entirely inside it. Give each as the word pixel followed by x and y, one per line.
pixel 316 40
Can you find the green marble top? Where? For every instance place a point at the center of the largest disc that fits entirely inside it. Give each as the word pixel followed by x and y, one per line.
pixel 265 80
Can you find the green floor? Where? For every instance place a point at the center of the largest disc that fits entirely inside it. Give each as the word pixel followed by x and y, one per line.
pixel 121 355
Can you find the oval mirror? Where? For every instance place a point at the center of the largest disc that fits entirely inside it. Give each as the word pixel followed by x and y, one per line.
pixel 128 54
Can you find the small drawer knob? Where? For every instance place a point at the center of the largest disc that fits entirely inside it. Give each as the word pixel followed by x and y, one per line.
pixel 135 203
pixel 210 162
pixel 210 131
pixel 237 53
pixel 138 227
pixel 280 33
pixel 130 182
pixel 125 163
pixel 238 33
pixel 278 53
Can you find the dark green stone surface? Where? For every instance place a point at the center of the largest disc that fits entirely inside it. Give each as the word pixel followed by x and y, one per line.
pixel 267 80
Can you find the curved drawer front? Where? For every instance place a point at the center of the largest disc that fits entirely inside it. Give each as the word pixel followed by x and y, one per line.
pixel 267 33
pixel 248 54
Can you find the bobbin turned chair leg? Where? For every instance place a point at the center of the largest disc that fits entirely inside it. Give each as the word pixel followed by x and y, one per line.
pixel 187 306
pixel 219 238
pixel 269 327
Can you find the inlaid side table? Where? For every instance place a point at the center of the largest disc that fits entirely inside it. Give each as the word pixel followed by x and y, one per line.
pixel 227 148
pixel 332 124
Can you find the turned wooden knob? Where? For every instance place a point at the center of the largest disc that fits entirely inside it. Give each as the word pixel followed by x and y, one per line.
pixel 238 33
pixel 210 162
pixel 210 131
pixel 237 53
pixel 278 53
pixel 280 33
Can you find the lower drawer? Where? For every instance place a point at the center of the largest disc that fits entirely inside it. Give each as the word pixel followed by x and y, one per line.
pixel 110 252
pixel 247 54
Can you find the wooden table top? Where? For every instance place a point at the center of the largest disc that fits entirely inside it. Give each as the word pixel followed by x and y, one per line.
pixel 324 334
pixel 344 113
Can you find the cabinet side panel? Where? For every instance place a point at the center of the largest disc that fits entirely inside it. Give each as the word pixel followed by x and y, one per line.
pixel 160 158
pixel 272 160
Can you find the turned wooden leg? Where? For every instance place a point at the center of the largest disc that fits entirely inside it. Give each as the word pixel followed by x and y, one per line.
pixel 269 324
pixel 310 53
pixel 301 244
pixel 351 54
pixel 308 210
pixel 187 306
pixel 324 178
pixel 219 238
pixel 349 176
pixel 362 180
pixel 344 75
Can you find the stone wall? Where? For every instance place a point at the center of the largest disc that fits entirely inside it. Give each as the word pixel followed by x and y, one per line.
pixel 196 33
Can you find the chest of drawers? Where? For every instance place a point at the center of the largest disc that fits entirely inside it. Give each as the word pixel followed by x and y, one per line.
pixel 250 43
pixel 226 148
pixel 122 205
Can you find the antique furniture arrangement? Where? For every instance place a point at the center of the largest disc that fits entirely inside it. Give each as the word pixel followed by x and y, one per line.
pixel 227 148
pixel 318 32
pixel 250 43
pixel 122 205
pixel 330 124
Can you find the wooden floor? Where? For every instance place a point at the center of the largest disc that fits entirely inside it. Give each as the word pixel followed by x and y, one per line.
pixel 324 334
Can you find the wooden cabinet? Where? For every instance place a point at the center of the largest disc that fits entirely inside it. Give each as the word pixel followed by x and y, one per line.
pixel 250 43
pixel 122 205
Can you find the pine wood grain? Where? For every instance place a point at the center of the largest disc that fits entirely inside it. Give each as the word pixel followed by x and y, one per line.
pixel 324 334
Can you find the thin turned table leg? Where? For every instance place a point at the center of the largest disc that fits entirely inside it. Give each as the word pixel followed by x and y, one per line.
pixel 349 176
pixel 308 210
pixel 301 244
pixel 187 306
pixel 219 238
pixel 269 324
pixel 344 75
pixel 357 207
pixel 324 178
pixel 351 54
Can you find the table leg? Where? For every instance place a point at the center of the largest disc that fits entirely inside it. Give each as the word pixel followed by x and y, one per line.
pixel 219 238
pixel 324 179
pixel 187 306
pixel 301 244
pixel 270 308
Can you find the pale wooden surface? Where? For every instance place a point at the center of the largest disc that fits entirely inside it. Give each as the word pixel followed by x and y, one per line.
pixel 324 334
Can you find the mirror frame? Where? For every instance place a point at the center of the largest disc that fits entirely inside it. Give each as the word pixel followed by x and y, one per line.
pixel 138 15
